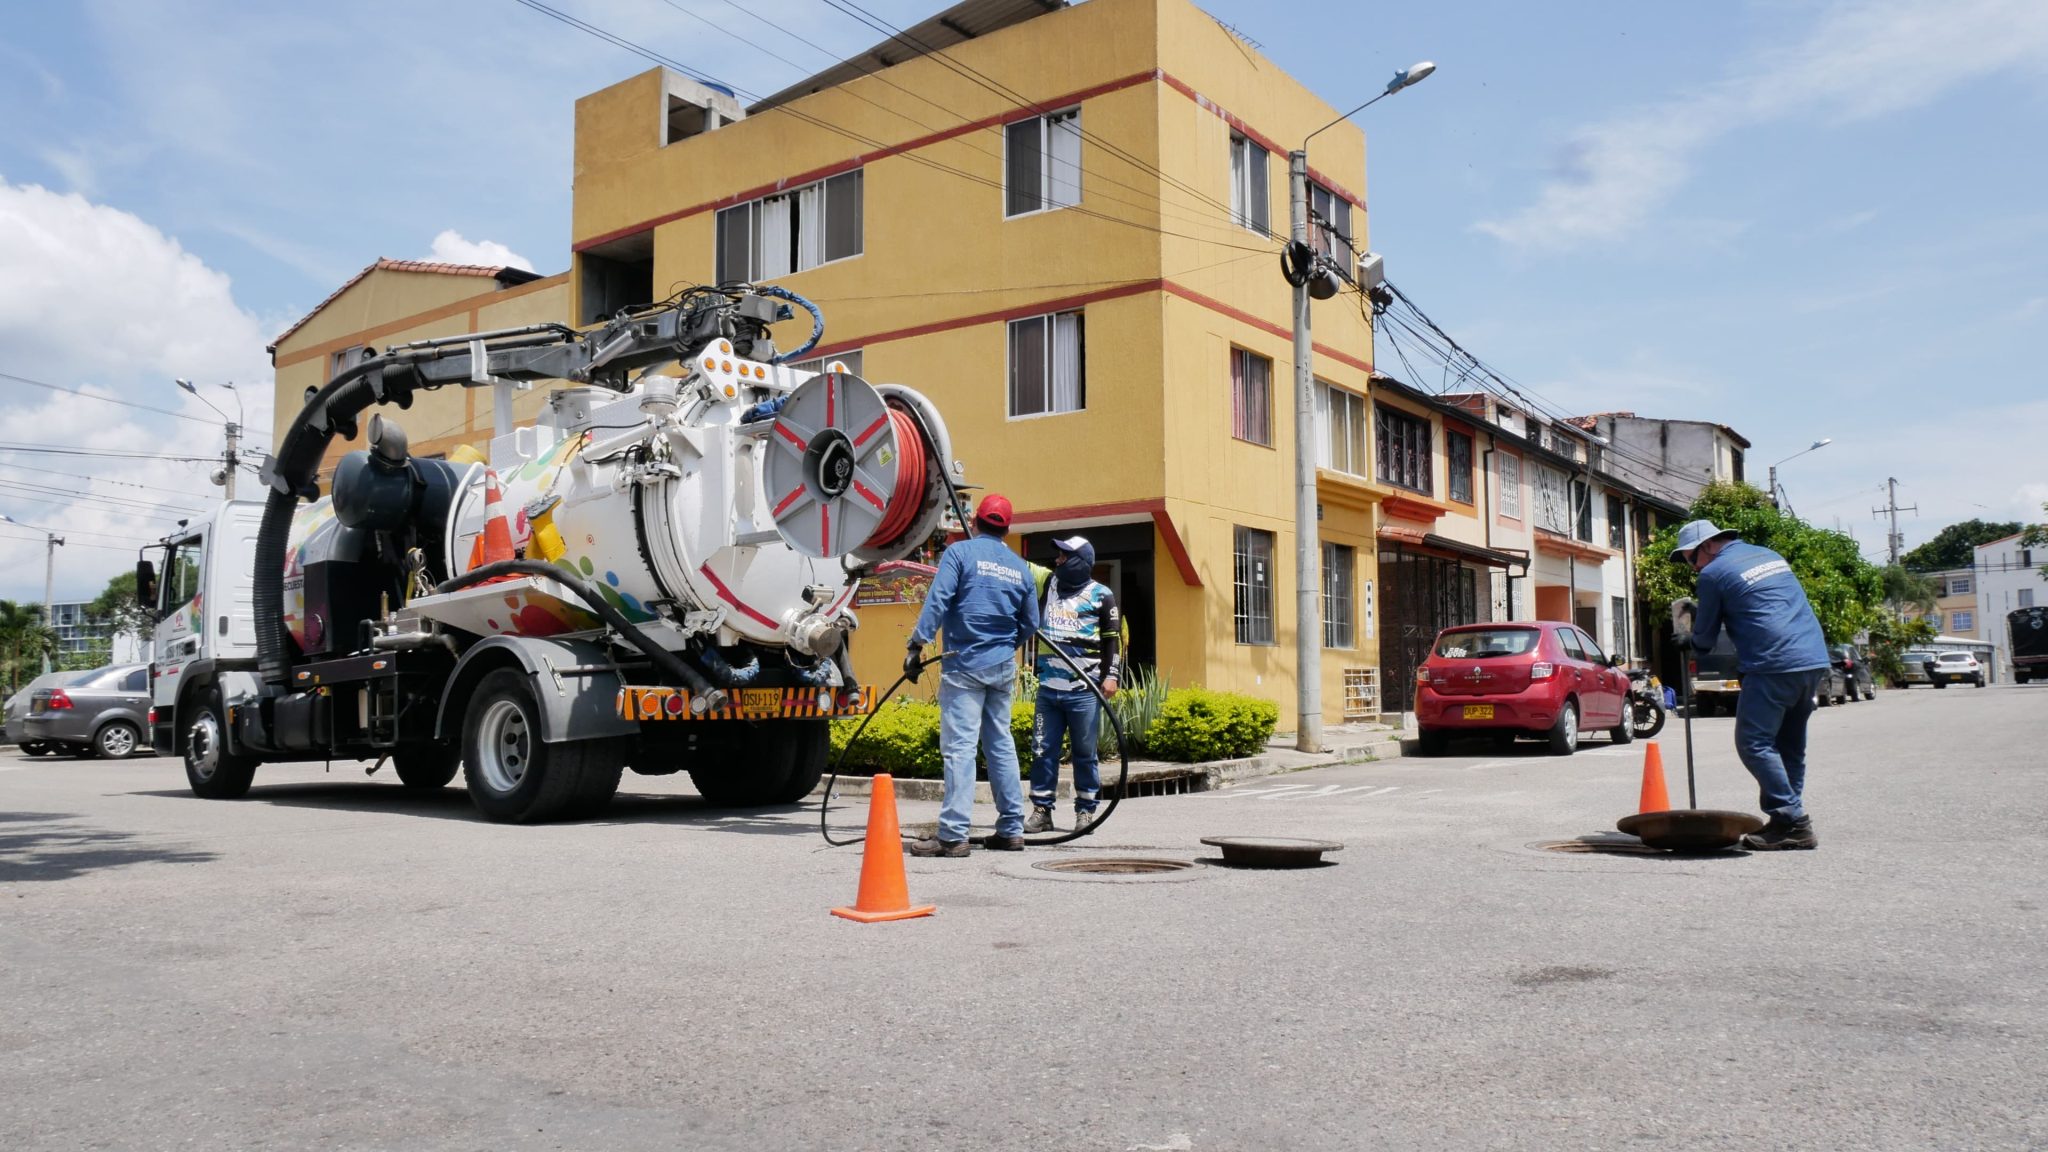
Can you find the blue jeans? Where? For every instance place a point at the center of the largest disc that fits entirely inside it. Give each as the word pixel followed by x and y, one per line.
pixel 1076 715
pixel 974 708
pixel 1770 736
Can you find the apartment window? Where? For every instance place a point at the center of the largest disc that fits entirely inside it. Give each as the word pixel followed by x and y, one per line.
pixel 1402 443
pixel 1960 586
pixel 1249 187
pixel 2026 557
pixel 1339 562
pixel 788 232
pixel 1582 503
pixel 1251 397
pixel 2026 599
pixel 1457 465
pixel 1617 618
pixel 1340 417
pixel 616 276
pixel 852 360
pixel 1735 464
pixel 1047 365
pixel 1042 163
pixel 1960 622
pixel 1617 524
pixel 1511 486
pixel 338 362
pixel 1252 585
pixel 1329 226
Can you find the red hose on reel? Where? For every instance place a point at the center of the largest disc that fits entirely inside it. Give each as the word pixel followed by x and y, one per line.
pixel 906 497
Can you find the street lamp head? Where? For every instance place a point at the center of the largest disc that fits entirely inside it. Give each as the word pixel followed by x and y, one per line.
pixel 187 386
pixel 1822 443
pixel 1410 76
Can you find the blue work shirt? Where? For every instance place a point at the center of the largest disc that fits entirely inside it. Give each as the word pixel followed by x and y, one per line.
pixel 1753 591
pixel 984 598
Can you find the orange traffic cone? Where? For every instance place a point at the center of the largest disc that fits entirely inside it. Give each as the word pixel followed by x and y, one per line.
pixel 884 890
pixel 494 543
pixel 1654 798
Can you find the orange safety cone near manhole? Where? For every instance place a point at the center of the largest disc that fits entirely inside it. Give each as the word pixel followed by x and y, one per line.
pixel 1654 797
pixel 884 890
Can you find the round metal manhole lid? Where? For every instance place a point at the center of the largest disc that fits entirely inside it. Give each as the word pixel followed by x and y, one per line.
pixel 1598 844
pixel 1114 866
pixel 1272 851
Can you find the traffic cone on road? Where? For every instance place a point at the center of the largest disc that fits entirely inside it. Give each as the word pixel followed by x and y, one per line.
pixel 1654 797
pixel 884 890
pixel 494 543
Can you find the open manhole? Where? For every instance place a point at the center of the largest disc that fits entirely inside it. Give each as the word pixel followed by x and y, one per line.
pixel 1599 844
pixel 1114 866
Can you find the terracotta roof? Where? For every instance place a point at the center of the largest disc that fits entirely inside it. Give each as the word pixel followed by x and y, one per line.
pixel 505 276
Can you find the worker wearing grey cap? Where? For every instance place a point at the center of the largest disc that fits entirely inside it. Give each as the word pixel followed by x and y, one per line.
pixel 1782 655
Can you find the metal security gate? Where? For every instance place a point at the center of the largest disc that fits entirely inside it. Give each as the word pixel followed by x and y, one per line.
pixel 1420 596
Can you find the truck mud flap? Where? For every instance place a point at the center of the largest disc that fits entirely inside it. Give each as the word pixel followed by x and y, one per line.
pixel 648 704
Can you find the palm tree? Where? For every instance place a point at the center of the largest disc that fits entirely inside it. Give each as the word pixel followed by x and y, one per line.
pixel 1910 590
pixel 23 638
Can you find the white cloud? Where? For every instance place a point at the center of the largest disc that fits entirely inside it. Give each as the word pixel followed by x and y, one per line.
pixel 97 300
pixel 451 247
pixel 1859 60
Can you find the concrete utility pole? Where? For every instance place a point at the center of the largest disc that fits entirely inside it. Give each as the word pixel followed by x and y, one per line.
pixel 51 542
pixel 1892 509
pixel 1774 491
pixel 231 456
pixel 1308 587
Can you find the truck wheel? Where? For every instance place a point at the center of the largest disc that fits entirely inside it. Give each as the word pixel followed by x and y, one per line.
pixel 604 761
pixel 210 769
pixel 773 763
pixel 513 775
pixel 116 740
pixel 426 766
pixel 810 749
pixel 1564 734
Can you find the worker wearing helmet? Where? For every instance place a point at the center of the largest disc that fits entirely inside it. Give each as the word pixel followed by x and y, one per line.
pixel 982 600
pixel 1783 654
pixel 1080 615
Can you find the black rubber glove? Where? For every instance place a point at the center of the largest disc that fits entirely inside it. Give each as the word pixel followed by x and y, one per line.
pixel 913 664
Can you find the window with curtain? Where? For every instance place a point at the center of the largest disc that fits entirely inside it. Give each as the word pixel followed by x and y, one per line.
pixel 1402 445
pixel 1048 365
pixel 1339 563
pixel 1457 465
pixel 1617 524
pixel 1510 486
pixel 1042 163
pixel 1252 585
pixel 1251 397
pixel 1340 429
pixel 1250 190
pixel 791 231
pixel 1617 618
pixel 1329 226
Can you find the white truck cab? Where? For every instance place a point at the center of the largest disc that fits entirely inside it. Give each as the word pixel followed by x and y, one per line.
pixel 205 610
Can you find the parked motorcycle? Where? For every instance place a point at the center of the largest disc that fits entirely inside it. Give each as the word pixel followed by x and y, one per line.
pixel 1646 703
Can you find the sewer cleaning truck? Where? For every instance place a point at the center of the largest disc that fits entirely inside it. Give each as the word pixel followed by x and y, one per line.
pixel 656 575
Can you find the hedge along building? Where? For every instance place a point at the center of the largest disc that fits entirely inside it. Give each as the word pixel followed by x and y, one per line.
pixel 1058 222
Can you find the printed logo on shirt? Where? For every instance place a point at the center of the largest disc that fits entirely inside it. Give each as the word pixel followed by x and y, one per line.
pixel 1001 571
pixel 1767 568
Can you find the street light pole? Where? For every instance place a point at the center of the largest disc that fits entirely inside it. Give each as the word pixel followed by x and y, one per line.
pixel 1817 444
pixel 51 542
pixel 230 456
pixel 1308 590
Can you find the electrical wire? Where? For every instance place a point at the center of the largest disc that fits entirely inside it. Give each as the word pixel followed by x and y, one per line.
pixel 102 453
pixel 82 544
pixel 107 399
pixel 101 479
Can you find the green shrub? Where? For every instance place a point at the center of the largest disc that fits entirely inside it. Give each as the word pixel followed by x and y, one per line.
pixel 1196 724
pixel 902 740
pixel 1139 697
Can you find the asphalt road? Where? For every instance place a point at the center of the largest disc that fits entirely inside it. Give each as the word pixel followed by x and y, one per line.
pixel 335 963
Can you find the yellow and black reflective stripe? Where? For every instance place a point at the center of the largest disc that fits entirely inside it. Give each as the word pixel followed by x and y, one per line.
pixel 641 705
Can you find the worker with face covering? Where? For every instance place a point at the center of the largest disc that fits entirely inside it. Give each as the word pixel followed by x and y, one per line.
pixel 1080 615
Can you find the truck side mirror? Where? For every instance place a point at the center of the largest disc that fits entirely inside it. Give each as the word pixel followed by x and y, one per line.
pixel 145 586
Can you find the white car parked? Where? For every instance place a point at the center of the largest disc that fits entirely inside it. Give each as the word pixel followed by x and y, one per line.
pixel 1955 668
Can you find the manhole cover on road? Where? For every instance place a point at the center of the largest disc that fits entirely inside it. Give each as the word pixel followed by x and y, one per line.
pixel 1115 866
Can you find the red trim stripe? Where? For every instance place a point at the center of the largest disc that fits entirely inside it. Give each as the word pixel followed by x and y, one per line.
pixel 726 595
pixel 787 501
pixel 825 529
pixel 870 430
pixel 786 434
pixel 870 497
pixel 831 393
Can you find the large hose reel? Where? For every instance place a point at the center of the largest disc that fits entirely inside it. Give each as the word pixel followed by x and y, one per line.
pixel 846 469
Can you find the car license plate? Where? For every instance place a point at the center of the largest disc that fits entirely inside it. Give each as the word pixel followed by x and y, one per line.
pixel 1478 711
pixel 760 699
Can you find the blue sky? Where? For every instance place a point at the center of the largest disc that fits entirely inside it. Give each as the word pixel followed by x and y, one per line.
pixel 1802 219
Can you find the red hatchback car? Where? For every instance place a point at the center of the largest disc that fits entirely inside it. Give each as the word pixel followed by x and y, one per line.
pixel 1542 678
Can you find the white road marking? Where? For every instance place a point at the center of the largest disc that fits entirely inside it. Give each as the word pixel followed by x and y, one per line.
pixel 1301 792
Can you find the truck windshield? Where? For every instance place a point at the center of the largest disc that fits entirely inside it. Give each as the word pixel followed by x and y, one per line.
pixel 181 575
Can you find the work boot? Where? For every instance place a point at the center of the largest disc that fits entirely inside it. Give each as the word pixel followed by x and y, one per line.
pixel 1781 835
pixel 933 846
pixel 1040 820
pixel 1084 820
pixel 995 843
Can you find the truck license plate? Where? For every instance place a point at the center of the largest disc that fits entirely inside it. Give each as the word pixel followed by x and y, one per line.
pixel 1478 711
pixel 760 699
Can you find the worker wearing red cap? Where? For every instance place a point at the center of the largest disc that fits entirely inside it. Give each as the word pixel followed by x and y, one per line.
pixel 984 602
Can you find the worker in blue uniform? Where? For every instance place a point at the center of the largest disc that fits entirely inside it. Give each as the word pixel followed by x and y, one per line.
pixel 1782 655
pixel 982 599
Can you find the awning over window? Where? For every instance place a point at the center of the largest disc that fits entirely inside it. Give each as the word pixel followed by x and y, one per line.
pixel 1430 542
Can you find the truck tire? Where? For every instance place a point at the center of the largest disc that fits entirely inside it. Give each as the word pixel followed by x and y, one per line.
pixel 810 750
pixel 116 740
pixel 604 761
pixel 426 766
pixel 211 771
pixel 773 763
pixel 1564 734
pixel 513 775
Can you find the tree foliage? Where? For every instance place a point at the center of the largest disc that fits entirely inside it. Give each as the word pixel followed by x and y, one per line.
pixel 24 641
pixel 117 607
pixel 1904 589
pixel 2036 536
pixel 1890 638
pixel 1956 545
pixel 1845 589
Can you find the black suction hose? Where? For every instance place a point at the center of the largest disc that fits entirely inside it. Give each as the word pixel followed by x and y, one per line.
pixel 1123 746
pixel 676 667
